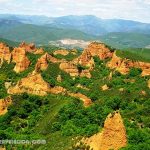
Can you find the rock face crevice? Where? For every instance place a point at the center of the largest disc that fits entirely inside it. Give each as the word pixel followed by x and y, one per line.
pixel 5 54
pixel 42 63
pixel 113 135
pixel 85 59
pixel 20 59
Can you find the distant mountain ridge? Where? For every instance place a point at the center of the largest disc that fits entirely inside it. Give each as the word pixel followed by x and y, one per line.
pixel 88 23
pixel 41 29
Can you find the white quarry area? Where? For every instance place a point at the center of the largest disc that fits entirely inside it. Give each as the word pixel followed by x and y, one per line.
pixel 70 43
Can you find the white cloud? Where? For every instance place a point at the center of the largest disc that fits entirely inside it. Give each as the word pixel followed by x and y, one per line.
pixel 126 9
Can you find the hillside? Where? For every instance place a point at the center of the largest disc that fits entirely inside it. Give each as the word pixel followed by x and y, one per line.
pixel 41 34
pixel 126 40
pixel 70 99
pixel 8 42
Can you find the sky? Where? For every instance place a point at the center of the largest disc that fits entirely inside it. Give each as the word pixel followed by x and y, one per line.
pixel 138 10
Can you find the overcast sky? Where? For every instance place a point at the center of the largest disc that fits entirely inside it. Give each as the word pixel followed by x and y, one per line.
pixel 126 9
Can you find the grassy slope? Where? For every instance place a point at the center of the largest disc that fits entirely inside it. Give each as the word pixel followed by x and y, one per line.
pixel 135 54
pixel 127 40
pixel 42 34
pixel 9 42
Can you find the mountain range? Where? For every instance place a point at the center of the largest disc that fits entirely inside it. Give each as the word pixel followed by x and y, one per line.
pixel 42 29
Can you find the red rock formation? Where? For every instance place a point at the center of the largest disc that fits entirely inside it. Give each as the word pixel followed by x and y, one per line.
pixel 42 63
pixel 2 148
pixel 32 84
pixel 105 87
pixel 82 87
pixel 4 103
pixel 69 68
pixel 149 83
pixel 72 69
pixel 145 68
pixel 5 54
pixel 57 90
pixel 28 47
pixel 19 57
pixel 100 50
pixel 61 52
pixel 39 51
pixel 74 51
pixel 113 135
pixel 59 78
pixel 86 101
pixel 31 48
pixel 54 60
pixel 85 59
pixel 123 65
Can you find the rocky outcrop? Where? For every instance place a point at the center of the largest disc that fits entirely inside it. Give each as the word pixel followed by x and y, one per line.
pixel 4 103
pixel 100 50
pixel 82 87
pixel 73 52
pixel 54 60
pixel 5 54
pixel 61 52
pixel 20 59
pixel 59 78
pixel 121 89
pixel 86 101
pixel 72 69
pixel 85 73
pixel 57 90
pixel 113 135
pixel 32 84
pixel 149 83
pixel 2 148
pixel 39 51
pixel 123 65
pixel 31 48
pixel 119 64
pixel 145 68
pixel 28 47
pixel 42 63
pixel 69 68
pixel 110 76
pixel 143 93
pixel 85 59
pixel 104 87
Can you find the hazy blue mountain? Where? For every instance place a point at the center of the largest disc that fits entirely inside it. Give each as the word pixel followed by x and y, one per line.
pixel 26 19
pixel 41 29
pixel 88 24
pixel 6 24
